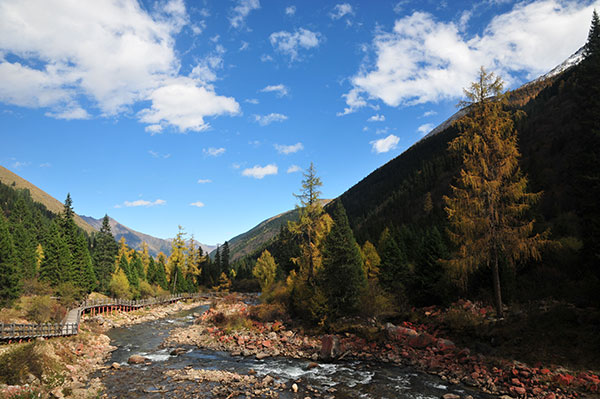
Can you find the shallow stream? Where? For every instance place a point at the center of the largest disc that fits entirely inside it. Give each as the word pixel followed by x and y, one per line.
pixel 347 379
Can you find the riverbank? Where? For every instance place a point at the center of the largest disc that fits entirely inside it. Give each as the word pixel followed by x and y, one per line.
pixel 61 367
pixel 227 326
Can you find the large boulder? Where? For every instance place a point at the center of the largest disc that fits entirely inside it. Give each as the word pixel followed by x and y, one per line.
pixel 330 348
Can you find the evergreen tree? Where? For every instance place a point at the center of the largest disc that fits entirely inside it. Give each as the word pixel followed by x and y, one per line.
pixel 393 270
pixel 488 207
pixel 69 229
pixel 225 266
pixel 104 255
pixel 217 263
pixel 10 284
pixel 56 267
pixel 427 288
pixel 151 275
pixel 342 277
pixel 136 270
pixel 82 273
pixel 24 238
pixel 589 159
pixel 161 274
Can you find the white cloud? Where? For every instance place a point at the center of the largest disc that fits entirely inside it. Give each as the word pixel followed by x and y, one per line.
pixel 399 6
pixel 266 58
pixel 241 11
pixel 204 181
pixel 213 152
pixel 107 56
pixel 423 60
pixel 288 149
pixel 45 165
pixel 141 202
pixel 426 128
pixel 159 155
pixel 294 168
pixel 245 46
pixel 290 43
pixel 184 104
pixel 19 164
pixel 376 118
pixel 265 120
pixel 197 204
pixel 258 172
pixel 385 145
pixel 205 70
pixel 253 101
pixel 291 10
pixel 281 90
pixel 341 10
pixel 429 113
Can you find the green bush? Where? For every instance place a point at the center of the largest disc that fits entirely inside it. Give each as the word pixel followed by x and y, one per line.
pixel 146 290
pixel 69 294
pixel 119 285
pixel 44 309
pixel 375 302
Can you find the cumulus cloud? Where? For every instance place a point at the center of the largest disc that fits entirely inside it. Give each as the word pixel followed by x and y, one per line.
pixel 429 113
pixel 385 145
pixel 291 10
pixel 265 120
pixel 290 43
pixel 426 128
pixel 376 118
pixel 281 90
pixel 107 56
pixel 197 204
pixel 294 168
pixel 288 149
pixel 184 104
pixel 204 181
pixel 141 202
pixel 340 10
pixel 213 152
pixel 258 172
pixel 241 11
pixel 424 60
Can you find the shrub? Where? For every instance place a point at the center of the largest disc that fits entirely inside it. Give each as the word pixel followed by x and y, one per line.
pixel 268 312
pixel 146 290
pixel 375 302
pixel 35 287
pixel 461 320
pixel 44 309
pixel 33 358
pixel 119 285
pixel 69 294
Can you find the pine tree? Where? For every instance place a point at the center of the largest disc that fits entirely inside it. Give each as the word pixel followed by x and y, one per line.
pixel 161 274
pixel 24 239
pixel 151 275
pixel 82 270
pixel 488 207
pixel 592 46
pixel 265 270
pixel 136 270
pixel 342 277
pixel 104 254
pixel 429 271
pixel 10 284
pixel 217 263
pixel 225 266
pixel 393 270
pixel 56 266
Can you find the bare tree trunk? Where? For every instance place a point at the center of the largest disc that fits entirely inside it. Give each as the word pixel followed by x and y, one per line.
pixel 497 289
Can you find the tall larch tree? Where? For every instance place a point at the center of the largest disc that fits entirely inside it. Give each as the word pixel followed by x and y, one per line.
pixel 10 284
pixel 264 270
pixel 177 258
pixel 312 225
pixel 342 277
pixel 488 208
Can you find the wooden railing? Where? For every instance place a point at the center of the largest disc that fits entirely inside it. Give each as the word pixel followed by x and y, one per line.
pixel 18 332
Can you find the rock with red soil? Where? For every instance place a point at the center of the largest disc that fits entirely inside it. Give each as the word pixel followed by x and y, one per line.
pixel 330 348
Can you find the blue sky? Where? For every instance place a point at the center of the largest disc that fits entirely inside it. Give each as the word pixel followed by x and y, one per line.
pixel 204 113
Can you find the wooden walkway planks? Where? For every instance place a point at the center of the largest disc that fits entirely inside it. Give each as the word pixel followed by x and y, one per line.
pixel 70 324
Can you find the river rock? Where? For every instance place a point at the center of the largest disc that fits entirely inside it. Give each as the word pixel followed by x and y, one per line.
pixel 137 359
pixel 178 351
pixel 262 355
pixel 267 380
pixel 115 366
pixel 312 365
pixel 330 348
pixel 450 396
pixel 294 387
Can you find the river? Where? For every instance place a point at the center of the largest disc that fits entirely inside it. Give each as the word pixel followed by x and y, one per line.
pixel 346 379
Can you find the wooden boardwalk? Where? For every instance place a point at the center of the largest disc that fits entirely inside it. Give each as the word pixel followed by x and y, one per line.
pixel 70 324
